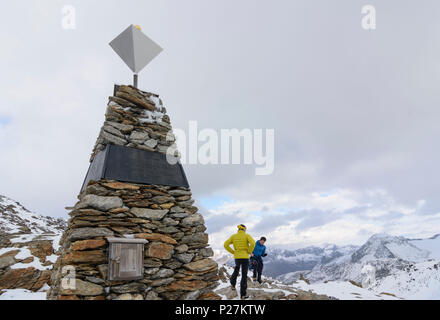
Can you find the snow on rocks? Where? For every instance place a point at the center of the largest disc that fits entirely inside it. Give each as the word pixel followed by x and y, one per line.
pixel 418 281
pixel 137 119
pixel 22 295
pixel 27 250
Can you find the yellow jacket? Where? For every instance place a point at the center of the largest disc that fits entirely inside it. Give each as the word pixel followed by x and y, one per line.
pixel 243 245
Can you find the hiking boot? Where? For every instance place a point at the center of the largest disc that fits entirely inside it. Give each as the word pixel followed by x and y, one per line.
pixel 245 298
pixel 254 279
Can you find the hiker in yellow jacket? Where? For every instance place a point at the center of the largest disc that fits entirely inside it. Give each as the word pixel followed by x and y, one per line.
pixel 243 247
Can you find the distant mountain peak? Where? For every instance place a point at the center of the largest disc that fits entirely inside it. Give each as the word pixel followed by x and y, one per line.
pixel 384 246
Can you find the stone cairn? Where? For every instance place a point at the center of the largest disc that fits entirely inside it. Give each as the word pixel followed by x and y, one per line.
pixel 177 261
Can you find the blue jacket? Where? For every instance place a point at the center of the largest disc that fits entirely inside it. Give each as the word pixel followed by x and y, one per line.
pixel 259 250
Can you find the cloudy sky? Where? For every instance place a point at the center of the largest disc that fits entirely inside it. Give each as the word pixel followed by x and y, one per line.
pixel 356 113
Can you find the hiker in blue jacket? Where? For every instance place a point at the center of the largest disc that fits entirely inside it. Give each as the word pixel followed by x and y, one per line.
pixel 257 259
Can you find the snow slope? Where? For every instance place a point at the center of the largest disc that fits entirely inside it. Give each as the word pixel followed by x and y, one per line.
pixel 420 281
pixel 16 219
pixel 432 245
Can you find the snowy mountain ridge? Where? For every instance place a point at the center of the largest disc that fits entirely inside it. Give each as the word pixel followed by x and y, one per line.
pixel 404 268
pixel 383 246
pixel 16 219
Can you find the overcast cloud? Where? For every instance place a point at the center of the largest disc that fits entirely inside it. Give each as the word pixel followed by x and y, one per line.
pixel 355 112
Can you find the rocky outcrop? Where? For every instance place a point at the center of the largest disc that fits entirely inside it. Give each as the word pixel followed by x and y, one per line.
pixel 177 259
pixel 26 265
pixel 28 243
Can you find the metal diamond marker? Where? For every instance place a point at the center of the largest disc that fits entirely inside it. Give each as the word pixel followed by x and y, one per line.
pixel 136 49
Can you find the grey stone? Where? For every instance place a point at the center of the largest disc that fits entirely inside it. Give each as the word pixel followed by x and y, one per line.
pixel 186 204
pixel 179 215
pixel 110 138
pixel 129 297
pixel 88 233
pixel 139 143
pixel 179 193
pixel 151 143
pixel 168 230
pixel 162 199
pixel 185 257
pixel 173 264
pixel 100 203
pixel 129 288
pixel 193 220
pixel 95 280
pixel 151 271
pixel 103 270
pixel 179 235
pixel 191 296
pixel 139 136
pixel 6 262
pixel 152 263
pixel 170 222
pixel 96 189
pixel 228 292
pixel 82 288
pixel 207 252
pixel 144 147
pixel 201 266
pixel 164 149
pixel 122 102
pixel 199 228
pixel 182 248
pixel 195 238
pixel 162 282
pixel 124 128
pixel 167 126
pixel 113 131
pixel 149 213
pixel 177 210
pixel 152 296
pixel 163 273
pixel 266 295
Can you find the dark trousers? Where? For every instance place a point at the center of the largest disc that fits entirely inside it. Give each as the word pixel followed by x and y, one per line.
pixel 258 268
pixel 244 265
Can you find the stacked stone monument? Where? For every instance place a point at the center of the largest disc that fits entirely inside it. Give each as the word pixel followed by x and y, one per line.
pixel 177 260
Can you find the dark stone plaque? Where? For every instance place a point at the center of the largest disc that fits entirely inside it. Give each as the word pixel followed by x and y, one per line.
pixel 135 166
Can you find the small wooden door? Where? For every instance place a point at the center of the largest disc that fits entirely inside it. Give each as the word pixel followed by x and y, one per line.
pixel 126 261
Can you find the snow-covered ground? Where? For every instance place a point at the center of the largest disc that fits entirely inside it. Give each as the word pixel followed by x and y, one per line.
pixel 421 281
pixel 22 295
pixel 343 290
pixel 432 245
